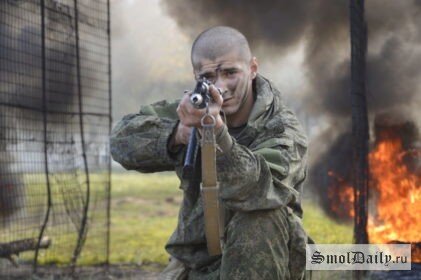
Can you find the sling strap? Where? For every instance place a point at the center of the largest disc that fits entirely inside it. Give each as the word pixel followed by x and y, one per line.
pixel 213 211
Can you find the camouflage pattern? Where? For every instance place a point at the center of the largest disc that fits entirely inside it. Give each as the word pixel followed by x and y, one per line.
pixel 260 178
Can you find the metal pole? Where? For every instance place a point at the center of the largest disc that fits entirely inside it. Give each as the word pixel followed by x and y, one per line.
pixel 358 29
pixel 45 120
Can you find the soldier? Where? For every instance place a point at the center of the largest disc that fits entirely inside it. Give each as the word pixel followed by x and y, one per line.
pixel 261 166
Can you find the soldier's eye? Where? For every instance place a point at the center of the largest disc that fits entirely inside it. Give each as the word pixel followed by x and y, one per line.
pixel 210 77
pixel 230 72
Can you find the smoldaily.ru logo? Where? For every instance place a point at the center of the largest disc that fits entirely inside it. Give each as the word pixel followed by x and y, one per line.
pixel 358 257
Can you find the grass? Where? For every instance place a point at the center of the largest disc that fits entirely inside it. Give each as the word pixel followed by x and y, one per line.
pixel 144 214
pixel 322 229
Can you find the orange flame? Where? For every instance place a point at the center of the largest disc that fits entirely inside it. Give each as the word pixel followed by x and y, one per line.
pixel 394 190
pixel 341 196
pixel 397 215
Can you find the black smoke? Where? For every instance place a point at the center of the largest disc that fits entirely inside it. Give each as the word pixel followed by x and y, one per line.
pixel 22 69
pixel 22 90
pixel 12 189
pixel 274 27
pixel 332 176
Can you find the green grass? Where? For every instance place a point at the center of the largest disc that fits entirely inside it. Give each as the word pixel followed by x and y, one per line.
pixel 144 214
pixel 146 186
pixel 322 229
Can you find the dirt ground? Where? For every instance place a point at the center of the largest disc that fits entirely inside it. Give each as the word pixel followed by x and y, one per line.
pixel 132 272
pixel 127 272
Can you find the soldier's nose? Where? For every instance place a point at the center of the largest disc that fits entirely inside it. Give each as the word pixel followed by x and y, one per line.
pixel 219 83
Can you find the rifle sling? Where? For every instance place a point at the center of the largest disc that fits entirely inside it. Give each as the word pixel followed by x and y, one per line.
pixel 213 210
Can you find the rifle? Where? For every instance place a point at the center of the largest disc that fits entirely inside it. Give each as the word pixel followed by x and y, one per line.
pixel 209 187
pixel 200 99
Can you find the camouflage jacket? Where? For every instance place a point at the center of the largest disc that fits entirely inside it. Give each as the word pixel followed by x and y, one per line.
pixel 264 169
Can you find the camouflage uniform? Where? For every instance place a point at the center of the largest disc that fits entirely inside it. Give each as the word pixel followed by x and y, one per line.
pixel 260 178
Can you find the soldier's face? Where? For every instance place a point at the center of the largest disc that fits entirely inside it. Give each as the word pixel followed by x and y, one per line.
pixel 232 75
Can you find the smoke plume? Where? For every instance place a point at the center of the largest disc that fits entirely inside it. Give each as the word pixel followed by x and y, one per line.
pixel 150 57
pixel 22 92
pixel 276 27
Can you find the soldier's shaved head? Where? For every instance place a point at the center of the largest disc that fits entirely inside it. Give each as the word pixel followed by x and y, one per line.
pixel 217 41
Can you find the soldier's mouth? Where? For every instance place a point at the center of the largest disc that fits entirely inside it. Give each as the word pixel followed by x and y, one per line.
pixel 226 100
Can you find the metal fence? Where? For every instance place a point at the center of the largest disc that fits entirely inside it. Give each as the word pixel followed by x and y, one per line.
pixel 55 118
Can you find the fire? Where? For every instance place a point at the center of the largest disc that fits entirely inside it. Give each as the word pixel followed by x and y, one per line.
pixel 397 195
pixel 341 196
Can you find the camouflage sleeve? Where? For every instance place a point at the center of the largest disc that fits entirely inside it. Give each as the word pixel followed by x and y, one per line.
pixel 266 176
pixel 139 141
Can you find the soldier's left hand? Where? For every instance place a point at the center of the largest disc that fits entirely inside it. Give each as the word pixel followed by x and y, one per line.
pixel 191 116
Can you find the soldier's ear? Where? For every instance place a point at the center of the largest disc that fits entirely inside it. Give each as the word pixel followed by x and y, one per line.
pixel 195 74
pixel 254 66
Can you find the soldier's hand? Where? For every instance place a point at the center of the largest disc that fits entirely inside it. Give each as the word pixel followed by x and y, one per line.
pixel 190 116
pixel 182 134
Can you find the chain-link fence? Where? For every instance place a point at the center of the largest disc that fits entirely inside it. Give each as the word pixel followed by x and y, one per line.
pixel 55 118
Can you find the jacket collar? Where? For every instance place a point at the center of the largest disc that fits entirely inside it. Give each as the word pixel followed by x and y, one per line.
pixel 263 105
pixel 264 99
